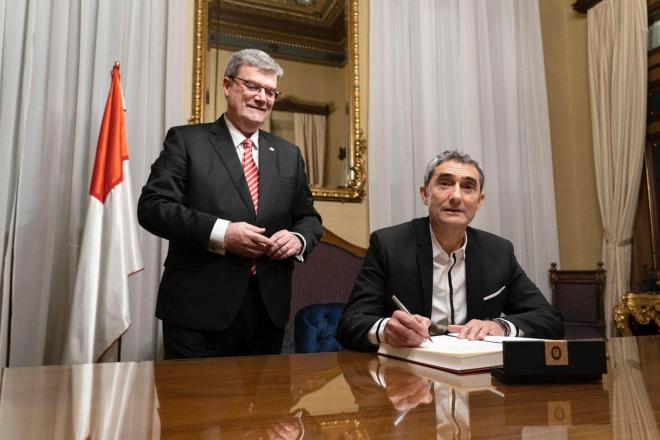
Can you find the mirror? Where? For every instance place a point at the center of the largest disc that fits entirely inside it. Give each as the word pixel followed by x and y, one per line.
pixel 316 42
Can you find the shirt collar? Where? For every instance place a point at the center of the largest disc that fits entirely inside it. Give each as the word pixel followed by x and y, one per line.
pixel 439 252
pixel 237 137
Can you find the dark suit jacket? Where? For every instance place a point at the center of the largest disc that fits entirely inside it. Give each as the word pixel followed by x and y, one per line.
pixel 228 397
pixel 400 261
pixel 198 178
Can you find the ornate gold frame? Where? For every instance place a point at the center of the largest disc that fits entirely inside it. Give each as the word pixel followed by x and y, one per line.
pixel 354 190
pixel 643 307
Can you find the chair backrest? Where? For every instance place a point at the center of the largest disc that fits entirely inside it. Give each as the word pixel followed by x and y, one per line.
pixel 326 276
pixel 578 295
pixel 316 328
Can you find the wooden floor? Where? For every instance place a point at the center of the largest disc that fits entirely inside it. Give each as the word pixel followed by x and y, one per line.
pixel 330 395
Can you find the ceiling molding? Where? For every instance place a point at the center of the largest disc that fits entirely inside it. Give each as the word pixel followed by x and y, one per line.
pixel 315 33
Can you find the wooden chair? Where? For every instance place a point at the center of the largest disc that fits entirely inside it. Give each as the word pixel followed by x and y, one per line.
pixel 327 276
pixel 578 295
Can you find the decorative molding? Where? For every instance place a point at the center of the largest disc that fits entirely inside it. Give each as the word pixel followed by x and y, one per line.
pixel 284 29
pixel 644 308
pixel 324 12
pixel 199 61
pixel 290 104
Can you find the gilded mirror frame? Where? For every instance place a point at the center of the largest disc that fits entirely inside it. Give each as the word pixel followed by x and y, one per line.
pixel 354 190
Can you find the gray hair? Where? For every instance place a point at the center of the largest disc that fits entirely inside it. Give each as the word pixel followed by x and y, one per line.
pixel 252 57
pixel 456 156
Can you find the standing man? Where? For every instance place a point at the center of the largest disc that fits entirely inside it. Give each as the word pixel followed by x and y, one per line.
pixel 451 277
pixel 235 204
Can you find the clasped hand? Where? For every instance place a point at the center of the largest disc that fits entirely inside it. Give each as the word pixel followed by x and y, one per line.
pixel 248 240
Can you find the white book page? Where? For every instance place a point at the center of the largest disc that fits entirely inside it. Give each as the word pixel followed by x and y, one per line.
pixel 500 339
pixel 450 344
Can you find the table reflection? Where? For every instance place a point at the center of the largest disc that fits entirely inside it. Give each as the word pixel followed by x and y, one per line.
pixel 99 401
pixel 242 396
pixel 328 395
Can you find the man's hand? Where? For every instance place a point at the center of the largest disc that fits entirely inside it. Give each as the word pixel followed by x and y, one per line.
pixel 283 430
pixel 476 329
pixel 285 244
pixel 403 330
pixel 406 390
pixel 247 240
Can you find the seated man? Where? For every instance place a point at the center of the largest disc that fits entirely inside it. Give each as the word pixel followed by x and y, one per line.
pixel 451 277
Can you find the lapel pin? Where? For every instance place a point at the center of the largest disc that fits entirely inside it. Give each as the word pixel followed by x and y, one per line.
pixel 271 148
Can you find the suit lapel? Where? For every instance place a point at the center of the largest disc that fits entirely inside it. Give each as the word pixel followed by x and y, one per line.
pixel 473 272
pixel 224 147
pixel 424 260
pixel 267 154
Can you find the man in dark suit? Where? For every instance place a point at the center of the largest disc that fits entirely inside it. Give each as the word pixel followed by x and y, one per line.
pixel 451 277
pixel 235 204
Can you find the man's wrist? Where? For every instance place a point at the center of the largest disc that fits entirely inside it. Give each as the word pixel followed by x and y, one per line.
pixel 217 237
pixel 503 325
pixel 376 333
pixel 300 255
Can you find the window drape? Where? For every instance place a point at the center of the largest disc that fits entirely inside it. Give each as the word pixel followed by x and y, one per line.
pixel 309 134
pixel 617 42
pixel 56 57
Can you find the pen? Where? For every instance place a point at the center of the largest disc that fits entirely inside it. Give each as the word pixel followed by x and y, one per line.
pixel 403 308
pixel 401 416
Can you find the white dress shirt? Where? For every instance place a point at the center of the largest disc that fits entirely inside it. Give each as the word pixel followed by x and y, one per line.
pixel 452 406
pixel 449 293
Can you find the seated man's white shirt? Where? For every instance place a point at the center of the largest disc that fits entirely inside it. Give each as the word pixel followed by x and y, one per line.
pixel 452 412
pixel 452 407
pixel 448 287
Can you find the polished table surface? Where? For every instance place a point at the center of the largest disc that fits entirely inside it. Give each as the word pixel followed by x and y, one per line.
pixel 328 395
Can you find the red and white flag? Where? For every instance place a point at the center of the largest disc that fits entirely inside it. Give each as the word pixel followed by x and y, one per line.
pixel 110 250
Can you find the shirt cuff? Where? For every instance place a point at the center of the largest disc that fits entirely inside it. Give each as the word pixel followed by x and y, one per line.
pixel 376 373
pixel 217 238
pixel 377 331
pixel 513 330
pixel 300 257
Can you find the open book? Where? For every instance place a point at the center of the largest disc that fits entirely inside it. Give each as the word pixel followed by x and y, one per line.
pixel 452 353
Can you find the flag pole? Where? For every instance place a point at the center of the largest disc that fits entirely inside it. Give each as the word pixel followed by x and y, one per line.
pixel 109 251
pixel 117 65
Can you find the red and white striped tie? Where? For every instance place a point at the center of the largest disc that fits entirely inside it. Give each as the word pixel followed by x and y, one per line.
pixel 251 173
pixel 252 177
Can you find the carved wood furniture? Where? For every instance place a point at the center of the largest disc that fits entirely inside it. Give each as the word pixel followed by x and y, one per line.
pixel 638 314
pixel 578 295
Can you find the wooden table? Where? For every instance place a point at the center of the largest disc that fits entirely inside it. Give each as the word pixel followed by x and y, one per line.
pixel 328 395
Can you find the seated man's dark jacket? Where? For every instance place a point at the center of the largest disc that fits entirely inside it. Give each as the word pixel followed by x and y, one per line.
pixel 400 262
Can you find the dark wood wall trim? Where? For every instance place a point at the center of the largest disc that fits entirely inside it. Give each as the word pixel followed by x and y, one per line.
pixel 582 6
pixel 291 105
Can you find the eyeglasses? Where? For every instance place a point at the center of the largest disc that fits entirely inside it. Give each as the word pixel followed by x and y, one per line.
pixel 256 88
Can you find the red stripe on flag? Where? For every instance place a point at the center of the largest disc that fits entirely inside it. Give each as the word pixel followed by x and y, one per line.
pixel 112 148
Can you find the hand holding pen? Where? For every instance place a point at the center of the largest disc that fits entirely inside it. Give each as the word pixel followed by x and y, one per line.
pixel 405 329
